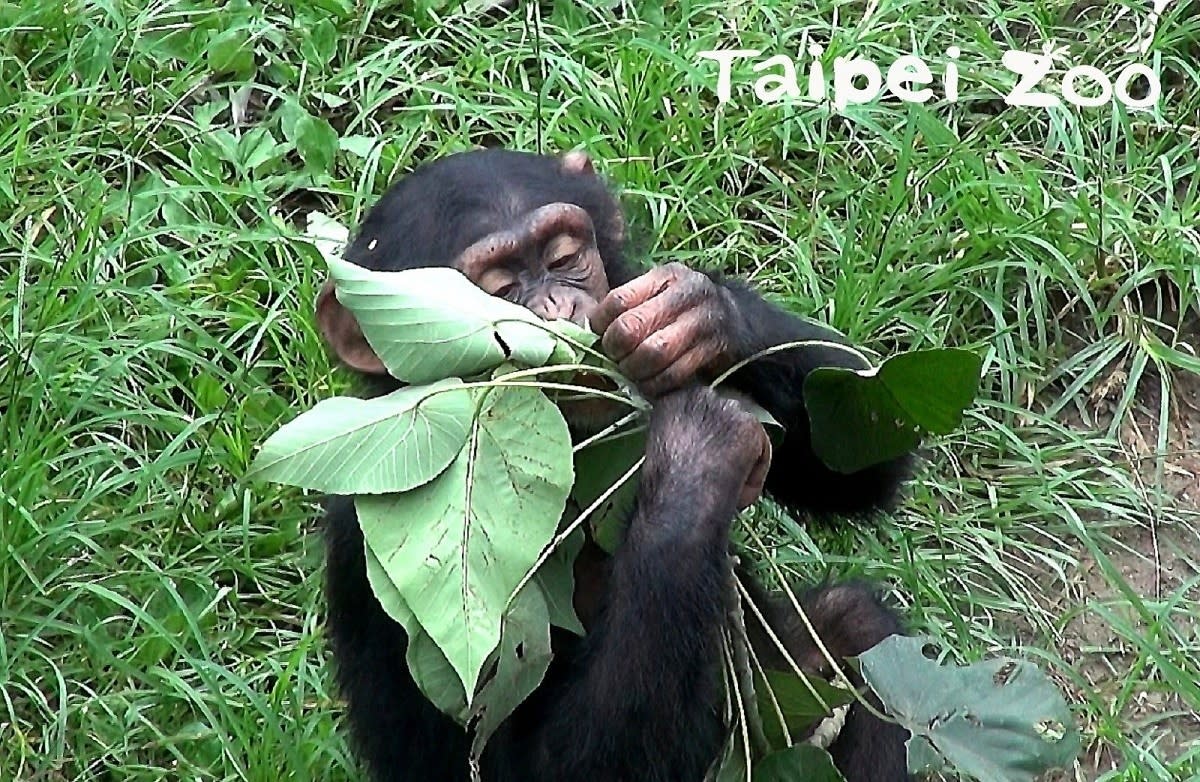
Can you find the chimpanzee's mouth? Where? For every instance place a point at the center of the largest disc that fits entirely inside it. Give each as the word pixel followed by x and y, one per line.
pixel 593 380
pixel 588 412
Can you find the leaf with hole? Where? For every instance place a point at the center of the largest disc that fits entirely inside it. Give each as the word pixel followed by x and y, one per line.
pixel 432 323
pixel 522 659
pixel 455 548
pixel 997 720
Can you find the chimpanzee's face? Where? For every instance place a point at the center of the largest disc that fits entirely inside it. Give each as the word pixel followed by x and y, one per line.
pixel 546 260
pixel 543 232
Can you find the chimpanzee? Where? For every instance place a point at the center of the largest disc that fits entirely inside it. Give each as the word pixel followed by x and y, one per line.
pixel 638 698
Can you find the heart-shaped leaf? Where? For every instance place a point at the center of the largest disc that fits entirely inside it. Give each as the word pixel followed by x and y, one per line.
pixel 862 417
pixel 432 323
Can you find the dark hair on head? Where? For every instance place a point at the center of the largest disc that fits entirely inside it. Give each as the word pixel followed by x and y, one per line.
pixel 434 213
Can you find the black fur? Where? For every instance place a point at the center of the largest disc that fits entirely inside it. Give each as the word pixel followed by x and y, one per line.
pixel 638 699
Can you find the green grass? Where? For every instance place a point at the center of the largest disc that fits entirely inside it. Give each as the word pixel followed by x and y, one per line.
pixel 159 619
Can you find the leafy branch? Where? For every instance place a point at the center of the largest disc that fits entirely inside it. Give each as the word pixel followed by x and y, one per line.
pixel 472 500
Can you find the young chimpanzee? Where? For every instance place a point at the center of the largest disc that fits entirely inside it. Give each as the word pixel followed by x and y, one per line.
pixel 637 699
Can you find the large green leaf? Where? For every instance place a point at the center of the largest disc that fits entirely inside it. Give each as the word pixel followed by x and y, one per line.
pixel 435 676
pixel 863 417
pixel 801 763
pixel 427 664
pixel 797 702
pixel 456 547
pixel 432 323
pixel 997 720
pixel 370 446
pixel 522 659
pixel 385 591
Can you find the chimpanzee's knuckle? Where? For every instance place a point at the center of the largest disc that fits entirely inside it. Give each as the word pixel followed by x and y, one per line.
pixel 676 271
pixel 654 350
pixel 623 334
pixel 654 388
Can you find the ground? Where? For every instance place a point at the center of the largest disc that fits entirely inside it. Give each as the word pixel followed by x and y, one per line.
pixel 162 617
pixel 1157 561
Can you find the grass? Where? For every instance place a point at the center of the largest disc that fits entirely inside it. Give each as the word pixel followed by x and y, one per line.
pixel 162 620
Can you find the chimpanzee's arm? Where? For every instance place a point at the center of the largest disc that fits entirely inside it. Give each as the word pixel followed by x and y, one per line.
pixel 798 479
pixel 642 702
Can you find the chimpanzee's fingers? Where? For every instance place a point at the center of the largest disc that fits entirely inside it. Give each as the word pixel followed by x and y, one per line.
pixel 752 489
pixel 634 326
pixel 630 295
pixel 664 347
pixel 680 372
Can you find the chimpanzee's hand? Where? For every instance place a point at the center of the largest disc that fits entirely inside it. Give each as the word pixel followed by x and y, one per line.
pixel 665 327
pixel 706 449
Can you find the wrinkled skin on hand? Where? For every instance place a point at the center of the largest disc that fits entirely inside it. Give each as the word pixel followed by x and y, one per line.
pixel 667 328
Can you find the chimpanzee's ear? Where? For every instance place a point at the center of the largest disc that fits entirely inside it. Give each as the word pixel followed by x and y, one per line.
pixel 343 334
pixel 577 162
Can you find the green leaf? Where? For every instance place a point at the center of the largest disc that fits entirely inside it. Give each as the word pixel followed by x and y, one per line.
pixel 556 577
pixel 316 141
pixel 290 115
pixel 318 43
pixel 796 700
pixel 998 720
pixel 863 417
pixel 231 52
pixel 597 467
pixel 455 548
pixel 385 591
pixel 391 443
pixel 521 663
pixel 435 676
pixel 258 148
pixel 731 766
pixel 428 666
pixel 1164 354
pixel 358 146
pixel 565 351
pixel 431 323
pixel 801 763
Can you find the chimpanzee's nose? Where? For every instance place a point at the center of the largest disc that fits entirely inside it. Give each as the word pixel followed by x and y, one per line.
pixel 554 305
